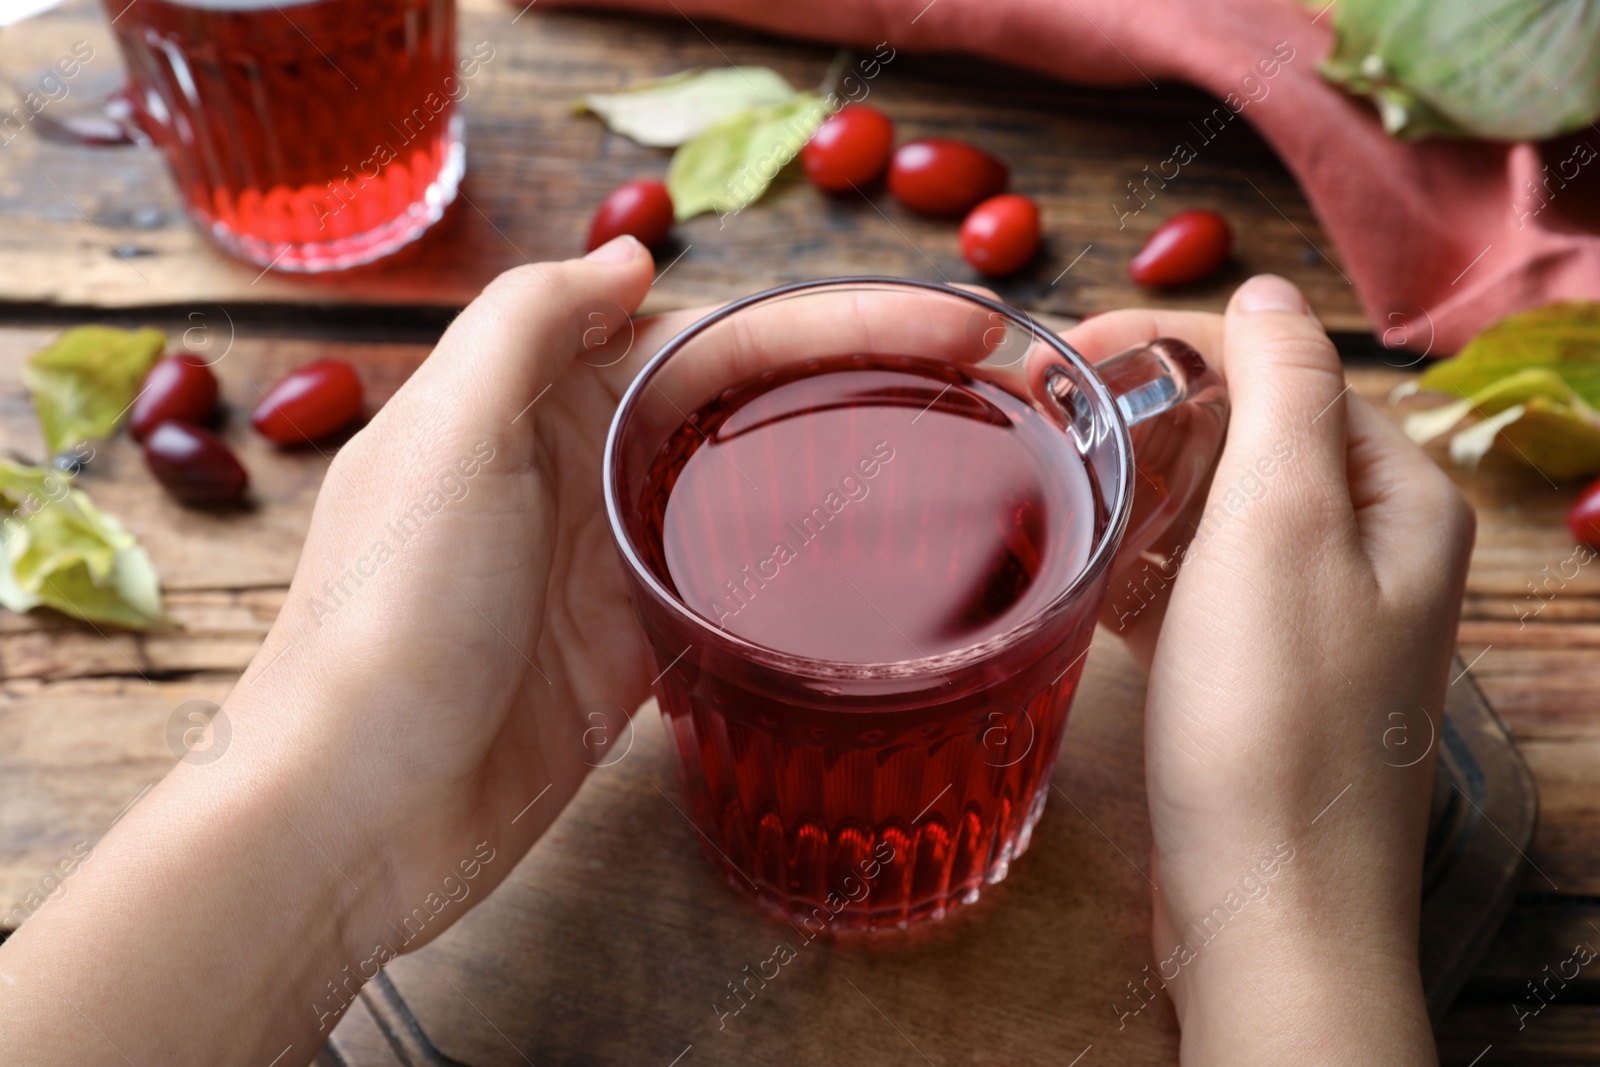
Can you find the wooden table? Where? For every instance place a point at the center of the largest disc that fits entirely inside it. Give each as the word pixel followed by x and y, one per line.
pixel 96 235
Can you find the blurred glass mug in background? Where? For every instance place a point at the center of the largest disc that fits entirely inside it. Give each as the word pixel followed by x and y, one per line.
pixel 304 135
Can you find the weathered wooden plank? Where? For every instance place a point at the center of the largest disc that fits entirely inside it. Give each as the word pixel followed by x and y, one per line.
pixel 1545 693
pixel 1563 849
pixel 1563 1035
pixel 193 549
pixel 72 756
pixel 104 227
pixel 217 630
pixel 1539 937
pixel 1521 539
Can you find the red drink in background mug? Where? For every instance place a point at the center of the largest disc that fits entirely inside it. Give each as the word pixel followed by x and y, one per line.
pixel 867 526
pixel 305 135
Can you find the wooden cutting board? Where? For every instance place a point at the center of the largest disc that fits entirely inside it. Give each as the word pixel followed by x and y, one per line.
pixel 615 941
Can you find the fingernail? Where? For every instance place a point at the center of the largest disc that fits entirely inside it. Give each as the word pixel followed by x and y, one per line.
pixel 617 250
pixel 1268 292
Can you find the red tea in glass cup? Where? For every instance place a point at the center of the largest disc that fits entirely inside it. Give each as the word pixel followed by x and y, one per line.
pixel 305 135
pixel 867 526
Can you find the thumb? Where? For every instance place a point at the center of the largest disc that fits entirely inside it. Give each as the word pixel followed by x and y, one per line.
pixel 521 334
pixel 1286 385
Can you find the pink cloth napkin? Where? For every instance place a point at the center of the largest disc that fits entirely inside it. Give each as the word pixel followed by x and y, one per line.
pixel 1439 238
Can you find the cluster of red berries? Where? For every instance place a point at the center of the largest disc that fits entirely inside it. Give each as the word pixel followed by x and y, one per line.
pixel 943 178
pixel 179 397
pixel 934 176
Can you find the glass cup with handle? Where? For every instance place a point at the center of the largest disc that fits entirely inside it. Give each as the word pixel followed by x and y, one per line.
pixel 868 525
pixel 304 135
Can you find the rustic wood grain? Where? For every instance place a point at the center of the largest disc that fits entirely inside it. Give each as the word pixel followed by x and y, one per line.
pixel 1542 932
pixel 73 757
pixel 1562 1035
pixel 104 227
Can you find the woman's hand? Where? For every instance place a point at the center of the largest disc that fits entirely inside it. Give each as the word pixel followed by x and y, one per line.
pixel 423 707
pixel 458 639
pixel 1298 653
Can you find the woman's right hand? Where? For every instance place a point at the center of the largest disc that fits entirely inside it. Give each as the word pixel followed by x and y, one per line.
pixel 1298 652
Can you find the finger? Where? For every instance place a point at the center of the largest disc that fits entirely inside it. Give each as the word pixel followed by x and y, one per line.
pixel 1412 520
pixel 1117 331
pixel 524 330
pixel 1097 338
pixel 1286 385
pixel 626 351
pixel 771 335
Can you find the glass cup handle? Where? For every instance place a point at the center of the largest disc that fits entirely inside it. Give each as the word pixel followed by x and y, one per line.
pixel 1176 408
pixel 110 123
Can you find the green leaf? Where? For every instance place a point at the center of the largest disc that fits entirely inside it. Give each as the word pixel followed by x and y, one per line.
pixel 1564 338
pixel 1533 415
pixel 83 384
pixel 1560 442
pixel 27 489
pixel 1514 391
pixel 669 111
pixel 1508 70
pixel 730 165
pixel 59 551
pixel 1469 446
